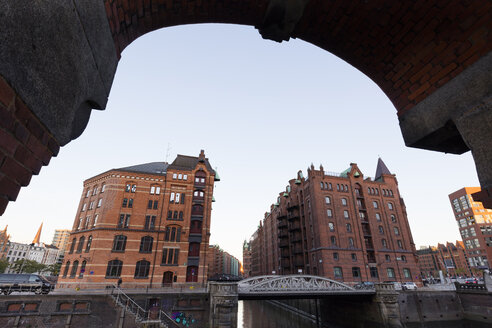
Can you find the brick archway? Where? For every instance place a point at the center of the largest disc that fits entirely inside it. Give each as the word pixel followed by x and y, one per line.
pixel 432 58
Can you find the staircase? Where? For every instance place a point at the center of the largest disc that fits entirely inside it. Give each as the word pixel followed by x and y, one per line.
pixel 142 317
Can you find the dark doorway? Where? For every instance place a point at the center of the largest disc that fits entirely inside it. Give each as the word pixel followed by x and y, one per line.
pixel 167 279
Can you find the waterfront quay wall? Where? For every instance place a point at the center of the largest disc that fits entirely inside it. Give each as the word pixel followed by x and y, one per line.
pixel 84 310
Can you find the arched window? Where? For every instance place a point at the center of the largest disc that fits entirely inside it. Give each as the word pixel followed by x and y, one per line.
pixel 390 206
pixel 331 226
pixel 173 233
pixel 89 243
pixel 383 242
pixel 67 266
pixel 351 242
pixel 333 240
pixel 175 216
pixel 146 244
pixel 327 200
pixel 344 201
pixel 74 269
pixel 81 245
pixel 72 247
pixel 391 273
pixel 82 269
pixel 119 243
pixel 114 269
pixel 393 218
pixel 397 232
pixel 349 227
pixel 198 194
pixel 381 230
pixel 403 258
pixel 142 269
pixel 322 185
pixel 181 215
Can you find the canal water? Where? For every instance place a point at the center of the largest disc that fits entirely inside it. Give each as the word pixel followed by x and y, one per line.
pixel 263 314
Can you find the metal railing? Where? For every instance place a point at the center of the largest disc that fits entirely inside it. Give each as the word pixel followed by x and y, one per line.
pixel 141 316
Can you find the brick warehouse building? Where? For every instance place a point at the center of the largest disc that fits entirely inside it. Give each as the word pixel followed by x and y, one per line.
pixel 451 259
pixel 475 225
pixel 148 224
pixel 340 226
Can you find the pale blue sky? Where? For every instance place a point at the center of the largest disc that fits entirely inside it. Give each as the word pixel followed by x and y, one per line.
pixel 261 111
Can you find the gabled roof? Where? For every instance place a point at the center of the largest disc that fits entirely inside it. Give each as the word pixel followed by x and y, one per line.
pixel 159 168
pixel 381 169
pixel 188 163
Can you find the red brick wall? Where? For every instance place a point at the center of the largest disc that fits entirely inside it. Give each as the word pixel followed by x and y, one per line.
pixel 409 48
pixel 25 145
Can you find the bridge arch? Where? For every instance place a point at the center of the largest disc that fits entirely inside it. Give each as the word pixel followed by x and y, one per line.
pixel 290 283
pixel 432 59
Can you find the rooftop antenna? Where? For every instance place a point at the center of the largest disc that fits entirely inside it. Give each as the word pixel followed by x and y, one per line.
pixel 167 151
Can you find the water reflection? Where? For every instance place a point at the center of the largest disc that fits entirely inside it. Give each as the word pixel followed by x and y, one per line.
pixel 262 314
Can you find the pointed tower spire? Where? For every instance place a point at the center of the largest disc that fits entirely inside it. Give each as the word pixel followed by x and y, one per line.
pixel 381 169
pixel 38 235
pixel 5 230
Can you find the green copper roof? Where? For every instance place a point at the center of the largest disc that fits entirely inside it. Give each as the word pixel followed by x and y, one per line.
pixel 298 181
pixel 344 173
pixel 356 174
pixel 217 177
pixel 213 199
pixel 286 194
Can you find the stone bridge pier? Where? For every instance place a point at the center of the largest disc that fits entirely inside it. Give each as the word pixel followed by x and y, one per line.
pixel 223 304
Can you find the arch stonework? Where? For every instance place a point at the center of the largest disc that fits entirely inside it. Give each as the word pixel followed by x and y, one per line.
pixel 432 58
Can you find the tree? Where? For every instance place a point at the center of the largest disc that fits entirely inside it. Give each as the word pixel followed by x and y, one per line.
pixel 27 266
pixel 53 269
pixel 3 265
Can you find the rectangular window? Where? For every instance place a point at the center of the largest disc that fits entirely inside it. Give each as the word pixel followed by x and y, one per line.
pixel 171 198
pixel 354 257
pixel 134 188
pixel 338 272
pixel 127 221
pixel 147 222
pixel 356 272
pixel 374 272
pixel 157 190
pixel 152 222
pixel 128 187
pixel 149 204
pixel 152 190
pixel 327 200
pixel 335 256
pixel 391 273
pixel 99 202
pixel 125 202
pixel 121 221
pixel 329 213
pixel 185 177
pixel 155 204
pixel 130 203
pixel 346 214
pixel 177 197
pixel 175 176
pixel 406 273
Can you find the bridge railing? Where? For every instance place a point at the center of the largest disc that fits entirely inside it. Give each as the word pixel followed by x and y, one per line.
pixel 141 315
